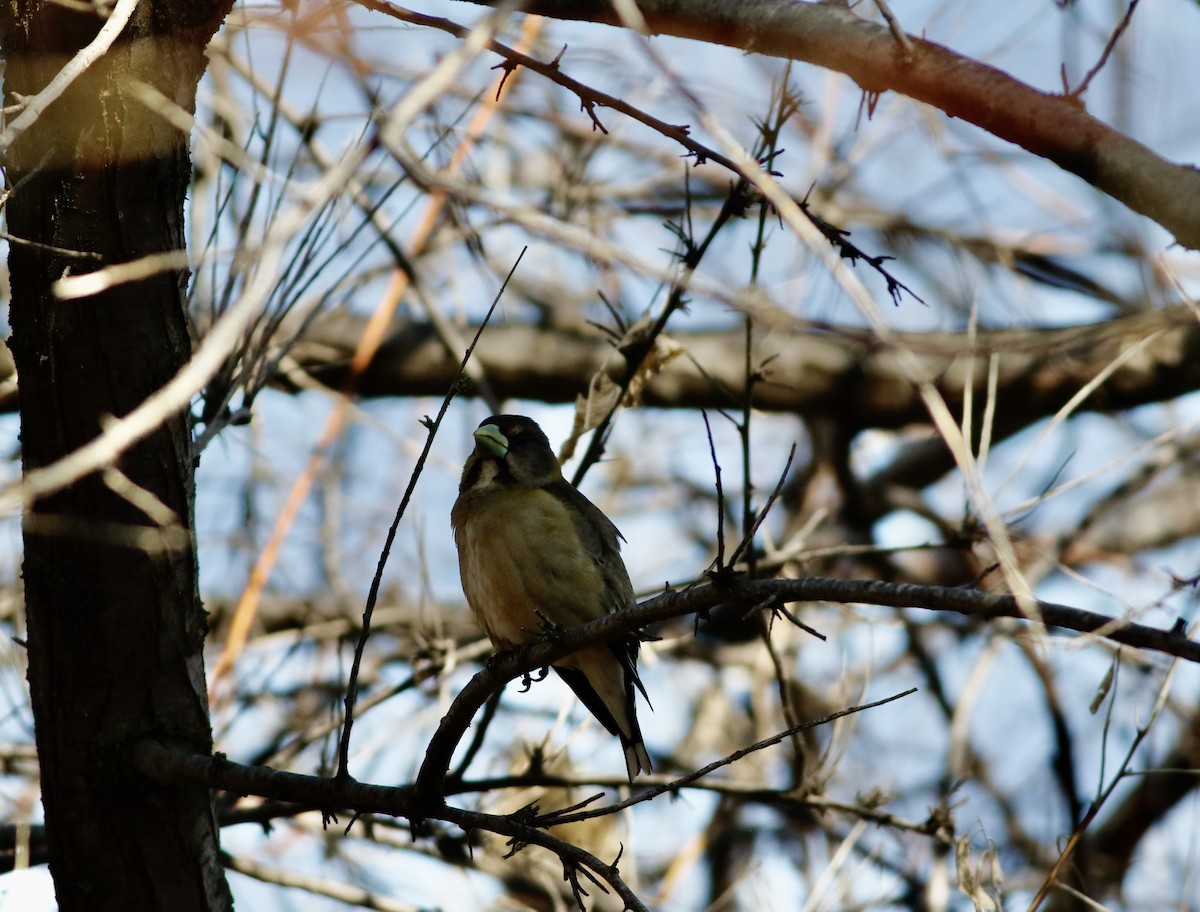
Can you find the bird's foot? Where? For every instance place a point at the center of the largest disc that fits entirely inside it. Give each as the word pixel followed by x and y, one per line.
pixel 529 678
pixel 551 629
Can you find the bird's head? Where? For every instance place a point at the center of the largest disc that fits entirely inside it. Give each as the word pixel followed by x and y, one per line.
pixel 510 450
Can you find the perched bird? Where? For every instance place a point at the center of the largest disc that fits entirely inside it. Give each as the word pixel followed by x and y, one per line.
pixel 531 550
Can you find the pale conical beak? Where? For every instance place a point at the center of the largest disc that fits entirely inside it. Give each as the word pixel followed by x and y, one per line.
pixel 489 437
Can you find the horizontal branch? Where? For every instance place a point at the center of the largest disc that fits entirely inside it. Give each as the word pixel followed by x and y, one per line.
pixel 815 370
pixel 829 35
pixel 506 666
pixel 424 799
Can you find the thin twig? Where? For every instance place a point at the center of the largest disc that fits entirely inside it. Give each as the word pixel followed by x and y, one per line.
pixel 784 105
pixel 637 350
pixel 748 538
pixel 172 766
pixel 675 784
pixel 368 345
pixel 489 714
pixel 719 561
pixel 902 39
pixel 343 771
pixel 84 58
pixel 207 359
pixel 1094 810
pixel 1108 49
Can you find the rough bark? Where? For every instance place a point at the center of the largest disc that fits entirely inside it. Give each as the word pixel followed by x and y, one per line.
pixel 115 624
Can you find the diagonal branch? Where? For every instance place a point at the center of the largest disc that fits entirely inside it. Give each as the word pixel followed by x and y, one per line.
pixel 831 36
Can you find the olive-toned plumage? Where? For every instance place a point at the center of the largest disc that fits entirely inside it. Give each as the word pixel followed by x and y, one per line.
pixel 530 546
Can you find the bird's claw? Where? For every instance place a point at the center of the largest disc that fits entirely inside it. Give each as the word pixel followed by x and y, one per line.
pixel 529 678
pixel 551 629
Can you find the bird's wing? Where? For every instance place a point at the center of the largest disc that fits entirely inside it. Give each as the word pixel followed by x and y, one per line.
pixel 601 540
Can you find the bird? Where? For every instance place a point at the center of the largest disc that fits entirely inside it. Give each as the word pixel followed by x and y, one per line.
pixel 534 552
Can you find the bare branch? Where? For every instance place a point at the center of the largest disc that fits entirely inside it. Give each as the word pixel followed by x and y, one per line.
pixel 832 36
pixel 814 369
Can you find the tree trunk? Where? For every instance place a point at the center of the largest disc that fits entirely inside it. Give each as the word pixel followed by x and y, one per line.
pixel 116 628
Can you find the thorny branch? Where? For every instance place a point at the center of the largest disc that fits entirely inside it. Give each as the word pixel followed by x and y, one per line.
pixel 509 665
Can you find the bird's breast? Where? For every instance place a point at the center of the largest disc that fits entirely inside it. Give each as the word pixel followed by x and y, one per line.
pixel 521 556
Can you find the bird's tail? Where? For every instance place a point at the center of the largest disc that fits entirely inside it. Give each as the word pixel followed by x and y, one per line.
pixel 636 758
pixel 606 686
